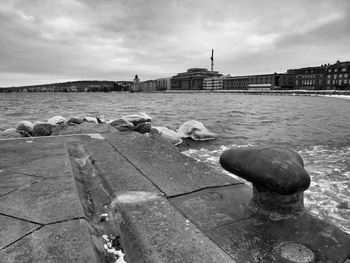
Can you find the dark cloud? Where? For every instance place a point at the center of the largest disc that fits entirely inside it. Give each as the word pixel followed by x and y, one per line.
pixel 70 39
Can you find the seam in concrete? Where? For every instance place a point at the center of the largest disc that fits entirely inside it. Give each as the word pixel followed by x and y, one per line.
pixel 23 219
pixel 204 188
pixel 29 233
pixel 21 188
pixel 156 186
pixel 194 223
pixel 41 226
pixel 33 175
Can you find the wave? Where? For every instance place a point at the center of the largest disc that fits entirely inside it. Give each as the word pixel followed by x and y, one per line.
pixel 328 196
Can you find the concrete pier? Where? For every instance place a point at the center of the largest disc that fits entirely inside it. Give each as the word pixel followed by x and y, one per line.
pixel 60 194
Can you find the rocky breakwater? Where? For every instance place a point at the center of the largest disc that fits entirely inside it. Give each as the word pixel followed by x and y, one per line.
pixel 282 229
pixel 140 122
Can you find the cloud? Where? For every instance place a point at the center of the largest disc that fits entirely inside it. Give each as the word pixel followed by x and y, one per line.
pixel 109 39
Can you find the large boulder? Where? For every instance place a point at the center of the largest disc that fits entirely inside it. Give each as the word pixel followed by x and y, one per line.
pixel 168 135
pixel 10 133
pixel 43 129
pixel 195 130
pixel 75 120
pixel 144 127
pixel 25 126
pixel 56 120
pixel 137 118
pixel 121 125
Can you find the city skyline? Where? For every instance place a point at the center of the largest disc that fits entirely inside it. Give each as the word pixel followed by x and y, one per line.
pixel 44 42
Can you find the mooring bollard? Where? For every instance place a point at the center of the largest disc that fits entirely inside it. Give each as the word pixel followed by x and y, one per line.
pixel 278 176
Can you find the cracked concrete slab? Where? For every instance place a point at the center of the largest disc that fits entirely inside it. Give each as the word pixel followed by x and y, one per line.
pixel 215 206
pixel 48 201
pixel 12 229
pixel 10 181
pixel 172 172
pixel 64 242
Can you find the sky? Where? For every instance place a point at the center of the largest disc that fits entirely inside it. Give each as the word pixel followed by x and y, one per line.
pixel 46 41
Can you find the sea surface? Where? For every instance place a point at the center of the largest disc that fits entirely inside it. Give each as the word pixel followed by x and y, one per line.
pixel 318 128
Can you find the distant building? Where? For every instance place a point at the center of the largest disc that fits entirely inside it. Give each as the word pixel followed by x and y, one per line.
pixel 163 84
pixel 337 76
pixel 309 78
pixel 192 79
pixel 214 83
pixel 259 82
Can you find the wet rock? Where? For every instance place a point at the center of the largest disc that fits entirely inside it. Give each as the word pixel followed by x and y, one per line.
pixel 137 118
pixel 195 130
pixel 25 126
pixel 144 127
pixel 75 120
pixel 121 125
pixel 56 120
pixel 168 135
pixel 43 129
pixel 100 119
pixel 9 133
pixel 90 119
pixel 276 169
pixel 23 133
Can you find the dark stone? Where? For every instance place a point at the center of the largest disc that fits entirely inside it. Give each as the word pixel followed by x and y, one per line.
pixel 75 120
pixel 24 133
pixel 275 169
pixel 137 118
pixel 26 126
pixel 144 127
pixel 43 129
pixel 122 125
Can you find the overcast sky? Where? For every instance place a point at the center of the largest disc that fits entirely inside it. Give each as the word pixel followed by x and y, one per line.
pixel 45 41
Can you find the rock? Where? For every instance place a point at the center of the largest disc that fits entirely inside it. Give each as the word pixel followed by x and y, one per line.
pixel 144 127
pixel 195 130
pixel 84 128
pixel 90 119
pixel 137 118
pixel 75 120
pixel 9 133
pixel 168 134
pixel 43 129
pixel 276 169
pixel 100 119
pixel 26 126
pixel 23 133
pixel 56 120
pixel 121 125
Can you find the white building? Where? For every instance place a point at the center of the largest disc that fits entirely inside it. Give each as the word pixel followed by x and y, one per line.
pixel 214 83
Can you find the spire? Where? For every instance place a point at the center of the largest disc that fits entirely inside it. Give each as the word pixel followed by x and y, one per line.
pixel 212 60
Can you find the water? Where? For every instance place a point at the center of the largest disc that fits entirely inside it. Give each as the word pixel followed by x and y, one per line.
pixel 316 127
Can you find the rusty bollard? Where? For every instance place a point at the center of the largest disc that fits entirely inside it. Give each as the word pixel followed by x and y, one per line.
pixel 278 177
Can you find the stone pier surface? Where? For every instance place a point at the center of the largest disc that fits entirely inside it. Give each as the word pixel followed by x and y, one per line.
pixel 162 206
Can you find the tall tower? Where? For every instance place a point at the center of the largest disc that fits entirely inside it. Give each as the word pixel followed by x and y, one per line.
pixel 212 60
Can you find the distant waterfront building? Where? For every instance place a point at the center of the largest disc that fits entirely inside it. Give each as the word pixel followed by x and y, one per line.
pixel 214 83
pixel 192 79
pixel 309 78
pixel 337 76
pixel 163 84
pixel 259 82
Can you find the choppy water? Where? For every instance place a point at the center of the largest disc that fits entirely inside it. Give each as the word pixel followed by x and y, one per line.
pixel 318 128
